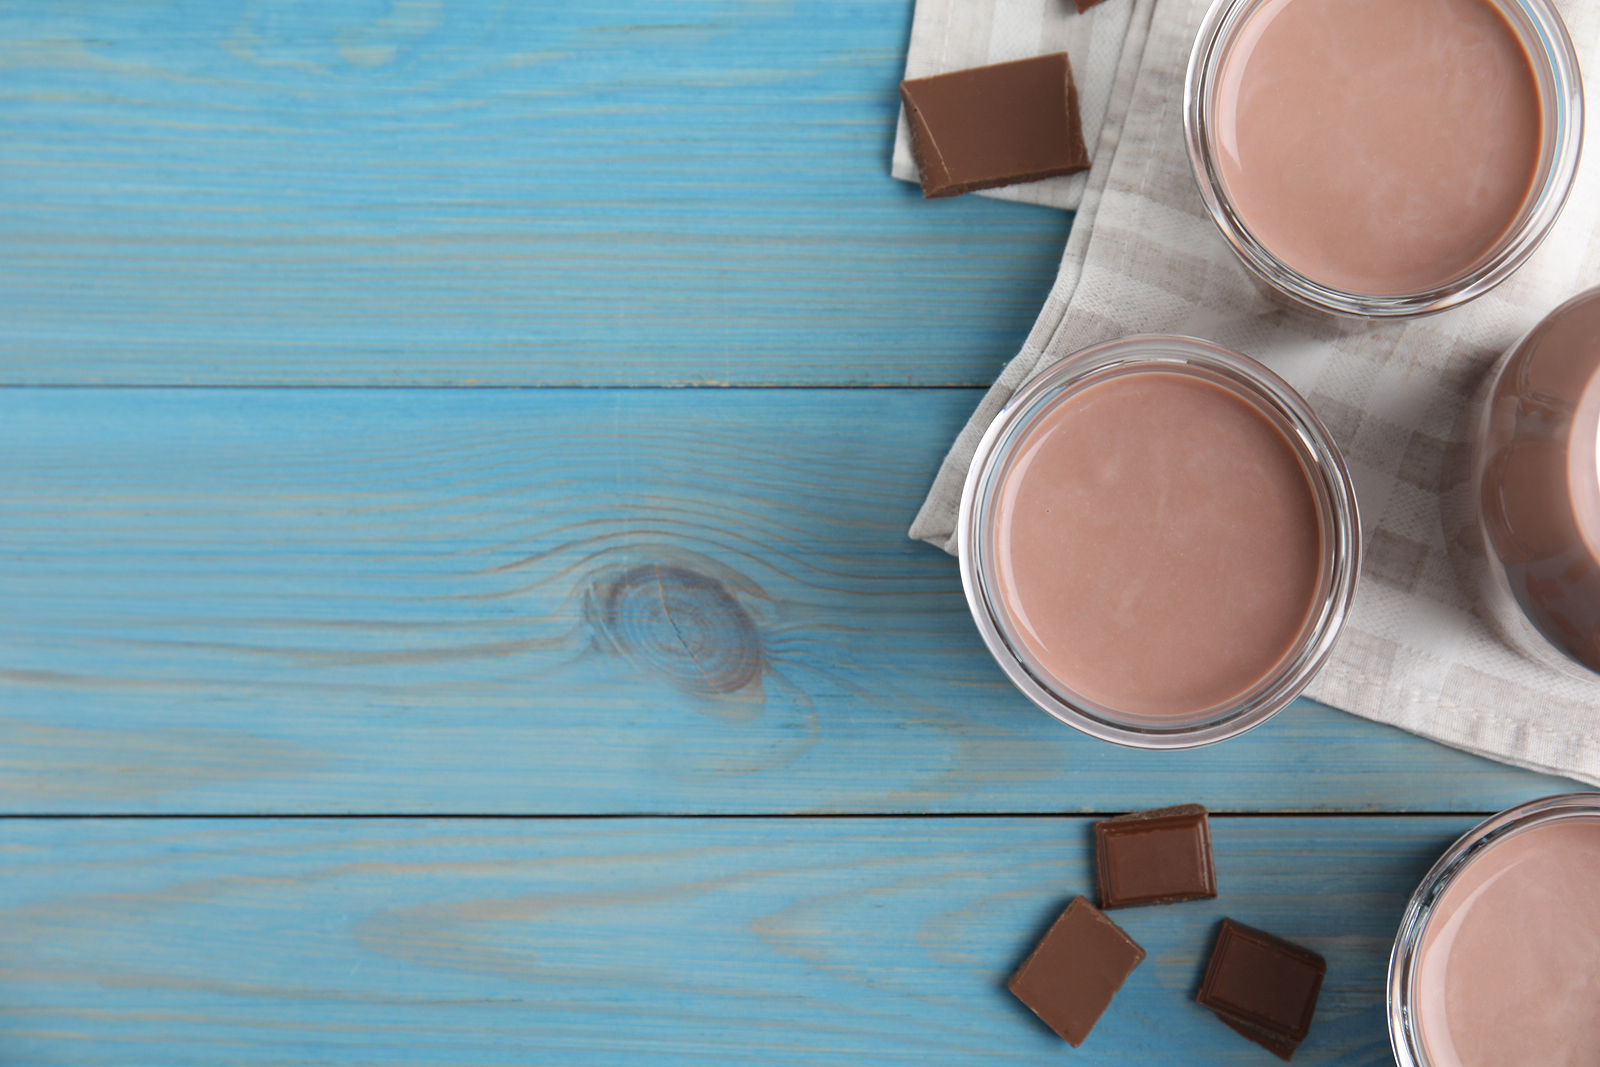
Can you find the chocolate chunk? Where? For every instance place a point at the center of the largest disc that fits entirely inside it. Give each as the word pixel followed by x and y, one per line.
pixel 998 125
pixel 1075 970
pixel 1084 5
pixel 1155 857
pixel 1280 1047
pixel 1262 986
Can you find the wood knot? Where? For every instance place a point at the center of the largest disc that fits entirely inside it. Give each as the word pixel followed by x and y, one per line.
pixel 681 625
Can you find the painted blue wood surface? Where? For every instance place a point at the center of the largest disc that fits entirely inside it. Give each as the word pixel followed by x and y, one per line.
pixel 651 942
pixel 596 601
pixel 416 192
pixel 551 601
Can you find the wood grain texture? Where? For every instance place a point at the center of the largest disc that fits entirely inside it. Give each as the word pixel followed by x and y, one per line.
pixel 486 192
pixel 555 601
pixel 551 601
pixel 800 942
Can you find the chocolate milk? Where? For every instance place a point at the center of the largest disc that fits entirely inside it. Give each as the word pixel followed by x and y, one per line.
pixel 1508 973
pixel 1379 147
pixel 1539 488
pixel 1158 545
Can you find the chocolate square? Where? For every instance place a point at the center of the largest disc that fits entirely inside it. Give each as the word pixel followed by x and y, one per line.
pixel 1263 987
pixel 1155 857
pixel 1280 1047
pixel 1075 970
pixel 997 125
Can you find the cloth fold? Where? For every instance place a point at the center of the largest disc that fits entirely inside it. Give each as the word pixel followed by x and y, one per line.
pixel 1144 257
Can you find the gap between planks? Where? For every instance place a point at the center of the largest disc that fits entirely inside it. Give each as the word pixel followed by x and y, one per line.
pixel 709 816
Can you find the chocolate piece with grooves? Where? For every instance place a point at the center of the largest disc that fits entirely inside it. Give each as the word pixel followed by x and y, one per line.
pixel 1280 1047
pixel 1075 970
pixel 997 125
pixel 1155 857
pixel 1263 987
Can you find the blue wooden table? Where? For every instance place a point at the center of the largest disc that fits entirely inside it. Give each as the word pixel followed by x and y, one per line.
pixel 454 599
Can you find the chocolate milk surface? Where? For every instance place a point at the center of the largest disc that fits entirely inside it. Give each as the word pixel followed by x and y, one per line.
pixel 1378 146
pixel 1158 544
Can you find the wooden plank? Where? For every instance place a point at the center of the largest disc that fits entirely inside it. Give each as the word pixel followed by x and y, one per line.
pixel 661 191
pixel 551 601
pixel 804 942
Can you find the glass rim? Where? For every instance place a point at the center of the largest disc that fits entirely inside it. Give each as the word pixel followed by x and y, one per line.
pixel 1542 32
pixel 1404 1033
pixel 1324 467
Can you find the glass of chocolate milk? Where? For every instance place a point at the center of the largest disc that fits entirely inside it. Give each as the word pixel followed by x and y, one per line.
pixel 1159 541
pixel 1523 524
pixel 1383 158
pixel 1497 961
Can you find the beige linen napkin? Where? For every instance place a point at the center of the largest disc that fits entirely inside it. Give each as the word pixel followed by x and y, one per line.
pixel 1144 257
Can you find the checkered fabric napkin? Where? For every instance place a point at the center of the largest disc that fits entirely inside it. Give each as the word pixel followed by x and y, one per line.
pixel 1144 257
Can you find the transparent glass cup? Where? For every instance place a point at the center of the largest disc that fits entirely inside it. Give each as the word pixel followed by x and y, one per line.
pixel 1523 522
pixel 1538 26
pixel 1278 403
pixel 1405 1028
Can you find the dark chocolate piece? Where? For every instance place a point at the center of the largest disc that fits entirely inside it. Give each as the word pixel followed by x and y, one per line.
pixel 1084 5
pixel 998 125
pixel 1155 857
pixel 1280 1047
pixel 1263 986
pixel 1075 970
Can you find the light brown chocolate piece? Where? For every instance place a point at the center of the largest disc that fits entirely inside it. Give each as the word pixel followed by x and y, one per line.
pixel 985 127
pixel 1077 968
pixel 1155 857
